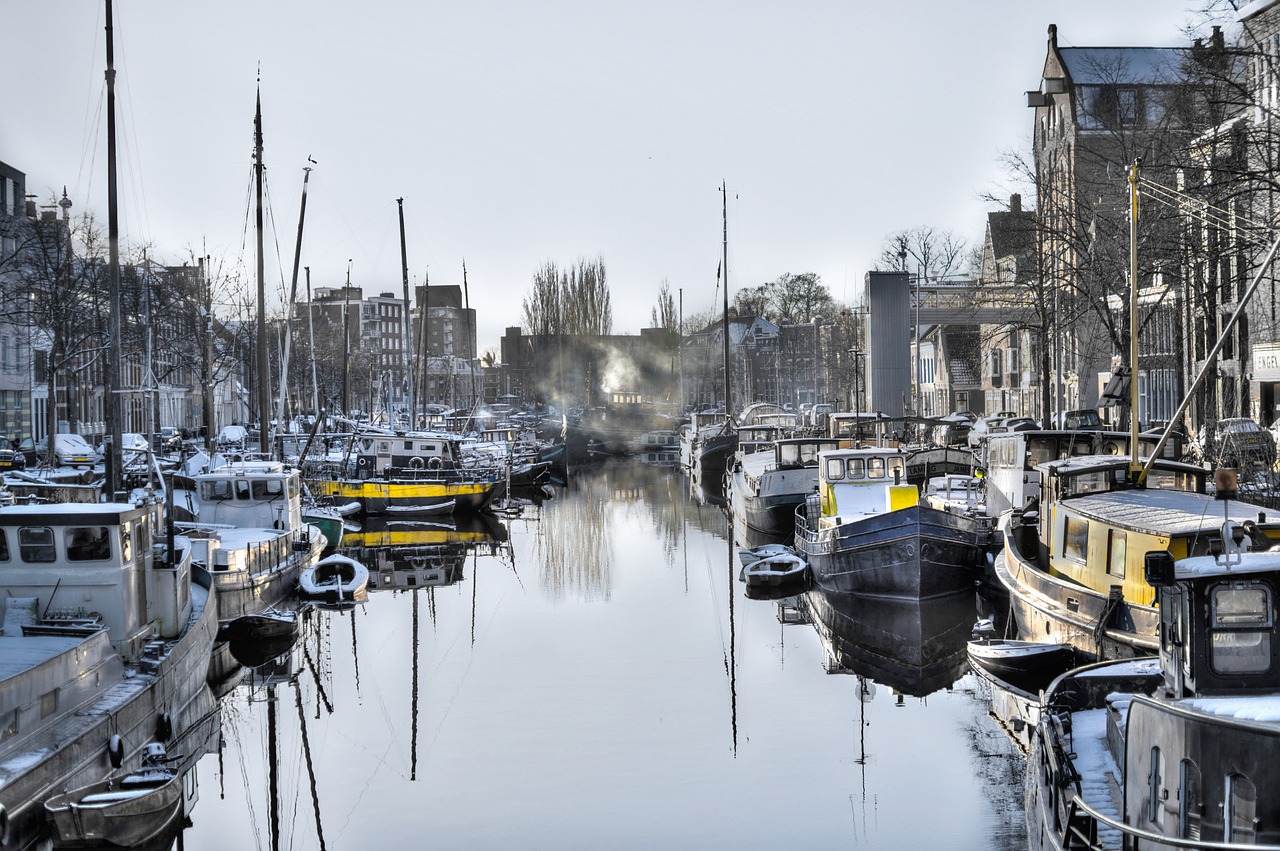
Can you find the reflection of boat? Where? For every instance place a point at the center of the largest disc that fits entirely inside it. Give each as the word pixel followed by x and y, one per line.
pixel 1179 747
pixel 424 509
pixel 1028 665
pixel 913 647
pixel 269 624
pixel 124 811
pixel 334 579
pixel 865 531
pixel 460 529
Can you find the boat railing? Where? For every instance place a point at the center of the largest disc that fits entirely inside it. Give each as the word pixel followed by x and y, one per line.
pixel 1082 820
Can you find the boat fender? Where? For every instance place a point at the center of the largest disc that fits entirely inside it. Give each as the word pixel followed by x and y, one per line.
pixel 115 750
pixel 434 463
pixel 362 461
pixel 4 825
pixel 415 463
pixel 164 727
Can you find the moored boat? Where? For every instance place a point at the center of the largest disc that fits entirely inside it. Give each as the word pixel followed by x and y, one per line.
pixel 865 531
pixel 781 568
pixel 766 487
pixel 105 638
pixel 1028 665
pixel 334 579
pixel 123 811
pixel 1176 750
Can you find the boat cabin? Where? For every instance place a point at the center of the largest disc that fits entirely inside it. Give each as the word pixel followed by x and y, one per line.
pixel 1096 524
pixel 758 438
pixel 796 452
pixel 376 454
pixel 70 569
pixel 251 494
pixel 1210 773
pixel 858 482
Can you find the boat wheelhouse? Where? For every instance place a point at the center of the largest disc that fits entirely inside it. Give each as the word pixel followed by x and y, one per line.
pixel 767 487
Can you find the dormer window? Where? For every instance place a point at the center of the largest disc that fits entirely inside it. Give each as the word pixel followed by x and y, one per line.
pixel 1240 628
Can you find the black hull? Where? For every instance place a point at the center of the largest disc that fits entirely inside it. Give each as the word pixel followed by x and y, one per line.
pixel 915 553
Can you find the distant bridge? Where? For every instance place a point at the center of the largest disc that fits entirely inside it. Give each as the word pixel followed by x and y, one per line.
pixel 968 303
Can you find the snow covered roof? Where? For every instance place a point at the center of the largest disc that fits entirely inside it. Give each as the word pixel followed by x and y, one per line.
pixel 1163 512
pixel 1204 566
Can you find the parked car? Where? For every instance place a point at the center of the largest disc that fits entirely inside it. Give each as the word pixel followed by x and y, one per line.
pixel 69 450
pixel 169 439
pixel 11 458
pixel 131 443
pixel 1241 442
pixel 1086 419
pixel 1017 424
pixel 983 427
pixel 232 437
pixel 27 448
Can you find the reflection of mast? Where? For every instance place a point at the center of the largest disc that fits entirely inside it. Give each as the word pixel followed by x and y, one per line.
pixel 732 661
pixel 272 767
pixel 355 653
pixel 413 760
pixel 311 771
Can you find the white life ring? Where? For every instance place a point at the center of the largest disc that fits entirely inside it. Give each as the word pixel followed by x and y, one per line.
pixel 4 825
pixel 433 463
pixel 115 750
pixel 415 463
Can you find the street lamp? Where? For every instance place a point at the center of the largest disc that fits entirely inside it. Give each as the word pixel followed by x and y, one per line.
pixel 817 343
pixel 856 353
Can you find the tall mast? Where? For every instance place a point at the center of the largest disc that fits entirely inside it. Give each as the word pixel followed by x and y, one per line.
pixel 293 297
pixel 311 341
pixel 346 344
pixel 1135 463
pixel 471 333
pixel 724 263
pixel 264 372
pixel 115 425
pixel 407 325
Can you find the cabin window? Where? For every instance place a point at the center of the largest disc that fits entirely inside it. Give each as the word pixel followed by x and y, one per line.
pixel 857 468
pixel 216 490
pixel 1240 639
pixel 1118 546
pixel 1189 801
pixel 9 728
pixel 1155 782
pixel 268 488
pixel 1242 809
pixel 4 545
pixel 1075 543
pixel 35 544
pixel 242 488
pixel 126 543
pixel 898 468
pixel 835 469
pixel 295 487
pixel 408 446
pixel 87 543
pixel 875 467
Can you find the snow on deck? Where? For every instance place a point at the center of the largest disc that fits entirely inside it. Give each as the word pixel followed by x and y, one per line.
pixel 1163 512
pixel 1264 708
pixel 1099 775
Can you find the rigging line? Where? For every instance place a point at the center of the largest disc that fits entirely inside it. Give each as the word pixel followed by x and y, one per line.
pixel 275 237
pixel 131 157
pixel 93 129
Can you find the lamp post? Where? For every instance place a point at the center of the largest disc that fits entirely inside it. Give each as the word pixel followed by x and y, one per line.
pixel 855 353
pixel 817 344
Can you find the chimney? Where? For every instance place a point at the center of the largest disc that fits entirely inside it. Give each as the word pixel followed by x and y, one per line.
pixel 1015 203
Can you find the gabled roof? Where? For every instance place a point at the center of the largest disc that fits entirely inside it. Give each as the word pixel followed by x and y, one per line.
pixel 1012 232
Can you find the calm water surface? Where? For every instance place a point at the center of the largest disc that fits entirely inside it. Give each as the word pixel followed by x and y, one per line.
pixel 599 679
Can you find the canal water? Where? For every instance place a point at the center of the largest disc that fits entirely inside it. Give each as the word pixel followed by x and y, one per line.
pixel 591 674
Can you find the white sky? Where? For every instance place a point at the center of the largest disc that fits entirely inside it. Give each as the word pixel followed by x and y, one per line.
pixel 521 131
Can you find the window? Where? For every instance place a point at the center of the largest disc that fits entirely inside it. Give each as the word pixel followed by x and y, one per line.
pixel 1127 107
pixel 4 545
pixel 216 490
pixel 1240 635
pixel 1155 783
pixel 87 543
pixel 1189 801
pixel 1242 809
pixel 268 488
pixel 857 468
pixel 875 467
pixel 835 469
pixel 1115 560
pixel 35 544
pixel 1075 543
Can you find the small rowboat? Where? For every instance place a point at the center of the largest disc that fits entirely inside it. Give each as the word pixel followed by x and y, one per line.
pixel 121 811
pixel 1027 665
pixel 746 557
pixel 334 579
pixel 782 568
pixel 269 624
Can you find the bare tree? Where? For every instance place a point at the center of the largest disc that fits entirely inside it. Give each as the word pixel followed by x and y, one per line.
pixel 664 314
pixel 934 254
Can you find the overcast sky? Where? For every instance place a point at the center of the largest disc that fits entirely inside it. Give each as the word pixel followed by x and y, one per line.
pixel 525 131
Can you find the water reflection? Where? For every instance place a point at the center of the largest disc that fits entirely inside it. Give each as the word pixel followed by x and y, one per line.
pixel 402 555
pixel 596 665
pixel 915 648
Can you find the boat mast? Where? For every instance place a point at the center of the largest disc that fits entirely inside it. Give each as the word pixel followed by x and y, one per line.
pixel 293 296
pixel 311 340
pixel 264 374
pixel 1135 463
pixel 407 325
pixel 115 425
pixel 724 263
